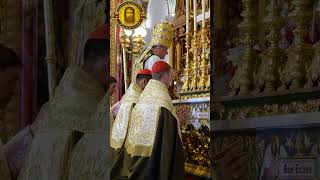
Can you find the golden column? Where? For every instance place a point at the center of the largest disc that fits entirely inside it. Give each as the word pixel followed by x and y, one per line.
pixel 300 53
pixel 268 74
pixel 243 77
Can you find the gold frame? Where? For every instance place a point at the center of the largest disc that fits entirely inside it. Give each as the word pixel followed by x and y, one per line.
pixel 113 43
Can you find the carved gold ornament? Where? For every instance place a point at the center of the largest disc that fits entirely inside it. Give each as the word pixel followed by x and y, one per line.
pixel 162 34
pixel 239 113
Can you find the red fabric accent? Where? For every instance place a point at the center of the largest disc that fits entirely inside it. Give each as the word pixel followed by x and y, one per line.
pixel 144 72
pixel 103 32
pixel 160 66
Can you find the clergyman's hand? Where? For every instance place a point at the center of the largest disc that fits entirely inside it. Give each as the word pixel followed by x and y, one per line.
pixel 182 113
pixel 175 73
pixel 231 164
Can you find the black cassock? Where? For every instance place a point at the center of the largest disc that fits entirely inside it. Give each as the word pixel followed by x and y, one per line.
pixel 166 161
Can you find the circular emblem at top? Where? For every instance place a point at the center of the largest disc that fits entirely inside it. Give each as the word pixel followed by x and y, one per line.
pixel 130 15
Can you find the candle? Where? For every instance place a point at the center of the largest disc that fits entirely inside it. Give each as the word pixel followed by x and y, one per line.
pixel 203 12
pixel 187 16
pixel 195 16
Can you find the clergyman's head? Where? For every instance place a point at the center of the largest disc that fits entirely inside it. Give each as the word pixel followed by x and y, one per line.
pixel 143 77
pixel 160 50
pixel 129 14
pixel 96 56
pixel 10 67
pixel 161 71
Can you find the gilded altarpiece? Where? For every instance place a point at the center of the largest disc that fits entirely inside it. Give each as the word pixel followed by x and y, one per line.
pixel 266 89
pixel 190 57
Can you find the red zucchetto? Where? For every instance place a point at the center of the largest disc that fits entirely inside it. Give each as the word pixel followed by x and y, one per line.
pixel 160 66
pixel 144 72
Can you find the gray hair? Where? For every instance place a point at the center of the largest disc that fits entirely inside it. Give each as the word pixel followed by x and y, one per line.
pixel 158 76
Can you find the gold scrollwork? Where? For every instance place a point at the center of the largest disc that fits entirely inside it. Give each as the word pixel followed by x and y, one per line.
pixel 239 113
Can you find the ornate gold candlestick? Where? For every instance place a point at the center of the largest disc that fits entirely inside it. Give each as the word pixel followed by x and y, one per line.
pixel 204 63
pixel 178 53
pixel 268 74
pixel 186 85
pixel 195 77
pixel 194 48
pixel 299 54
pixel 313 73
pixel 243 77
pixel 208 56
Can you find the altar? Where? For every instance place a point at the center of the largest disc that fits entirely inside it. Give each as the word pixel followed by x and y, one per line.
pixel 196 136
pixel 188 55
